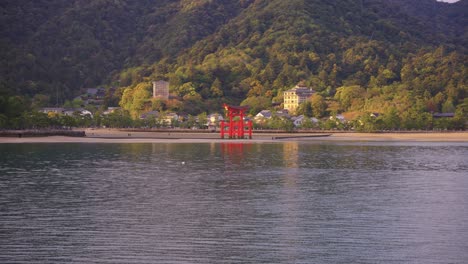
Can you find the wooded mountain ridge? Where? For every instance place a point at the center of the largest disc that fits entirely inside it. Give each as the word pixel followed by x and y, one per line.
pixel 364 54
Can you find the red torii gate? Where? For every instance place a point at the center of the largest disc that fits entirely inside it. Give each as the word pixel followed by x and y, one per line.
pixel 236 128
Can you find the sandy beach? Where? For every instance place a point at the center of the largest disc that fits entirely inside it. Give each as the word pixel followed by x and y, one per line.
pixel 120 136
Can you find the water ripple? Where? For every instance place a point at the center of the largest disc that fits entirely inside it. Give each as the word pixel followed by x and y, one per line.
pixel 238 203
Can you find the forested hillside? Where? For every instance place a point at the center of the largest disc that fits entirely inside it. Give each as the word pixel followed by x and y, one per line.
pixel 360 55
pixel 67 45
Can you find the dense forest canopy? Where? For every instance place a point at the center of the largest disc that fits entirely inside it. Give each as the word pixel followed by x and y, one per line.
pixel 359 55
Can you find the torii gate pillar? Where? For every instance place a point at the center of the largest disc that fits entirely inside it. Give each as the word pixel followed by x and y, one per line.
pixel 236 126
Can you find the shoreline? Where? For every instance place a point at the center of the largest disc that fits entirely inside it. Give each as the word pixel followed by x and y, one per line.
pixel 120 136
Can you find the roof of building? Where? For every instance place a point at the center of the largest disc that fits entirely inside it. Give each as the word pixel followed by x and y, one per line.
pixel 300 89
pixel 51 109
pixel 294 118
pixel 441 115
pixel 92 91
pixel 171 115
pixel 110 110
pixel 264 113
pixel 283 113
pixel 161 81
pixel 148 114
pixel 100 92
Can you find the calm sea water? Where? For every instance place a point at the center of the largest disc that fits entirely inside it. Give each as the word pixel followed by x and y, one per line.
pixel 291 202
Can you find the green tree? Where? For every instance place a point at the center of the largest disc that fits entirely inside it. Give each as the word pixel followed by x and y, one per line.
pixel 67 121
pixel 3 121
pixel 202 120
pixel 276 122
pixel 448 107
pixel 307 124
pixel 136 99
pixel 350 96
pixel 390 119
pixel 190 122
pixel 414 118
pixel 368 123
pixel 40 100
pixel 319 105
pixel 256 104
pixel 305 109
pixel 216 88
pixel 16 106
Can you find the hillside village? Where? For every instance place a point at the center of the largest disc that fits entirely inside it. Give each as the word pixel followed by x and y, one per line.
pixel 297 112
pixel 94 97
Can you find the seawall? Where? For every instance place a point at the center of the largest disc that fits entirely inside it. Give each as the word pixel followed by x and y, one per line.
pixel 41 133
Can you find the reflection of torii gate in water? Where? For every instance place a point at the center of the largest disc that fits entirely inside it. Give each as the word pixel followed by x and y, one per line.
pixel 236 126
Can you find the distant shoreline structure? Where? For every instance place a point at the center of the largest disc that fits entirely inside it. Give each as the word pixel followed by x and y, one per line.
pixel 42 133
pixel 448 1
pixel 172 136
pixel 93 132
